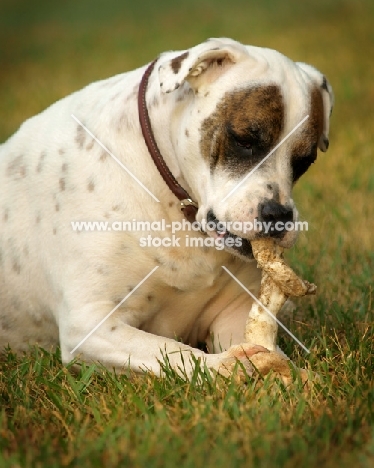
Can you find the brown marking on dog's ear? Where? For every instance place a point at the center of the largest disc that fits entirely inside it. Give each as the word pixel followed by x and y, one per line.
pixel 324 84
pixel 316 116
pixel 176 62
pixel 247 118
pixel 201 65
pixel 319 115
pixel 304 151
pixel 325 142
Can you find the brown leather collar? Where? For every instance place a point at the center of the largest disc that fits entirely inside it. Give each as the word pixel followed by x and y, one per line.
pixel 188 206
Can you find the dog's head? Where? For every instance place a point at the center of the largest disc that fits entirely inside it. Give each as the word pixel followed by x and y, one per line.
pixel 250 122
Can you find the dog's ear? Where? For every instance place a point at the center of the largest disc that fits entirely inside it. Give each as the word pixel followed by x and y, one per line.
pixel 327 93
pixel 200 65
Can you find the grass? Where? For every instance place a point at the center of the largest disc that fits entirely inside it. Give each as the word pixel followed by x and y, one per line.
pixel 51 417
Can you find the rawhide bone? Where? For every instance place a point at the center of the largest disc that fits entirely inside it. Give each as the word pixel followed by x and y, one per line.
pixel 278 282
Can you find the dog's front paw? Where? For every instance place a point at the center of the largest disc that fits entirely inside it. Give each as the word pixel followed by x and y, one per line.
pixel 240 354
pixel 255 359
pixel 279 365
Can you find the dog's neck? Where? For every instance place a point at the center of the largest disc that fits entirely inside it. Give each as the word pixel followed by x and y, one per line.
pixel 188 206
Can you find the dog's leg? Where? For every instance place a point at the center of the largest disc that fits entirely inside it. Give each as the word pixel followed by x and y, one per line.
pixel 228 328
pixel 246 317
pixel 121 346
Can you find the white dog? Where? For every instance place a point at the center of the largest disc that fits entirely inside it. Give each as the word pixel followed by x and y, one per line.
pixel 128 298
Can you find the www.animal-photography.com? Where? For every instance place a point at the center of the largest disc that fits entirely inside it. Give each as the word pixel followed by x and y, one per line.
pixel 186 248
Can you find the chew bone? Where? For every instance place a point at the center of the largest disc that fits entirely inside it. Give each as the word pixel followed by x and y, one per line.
pixel 278 282
pixel 269 257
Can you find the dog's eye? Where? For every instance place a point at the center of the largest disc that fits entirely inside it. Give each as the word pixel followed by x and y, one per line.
pixel 246 145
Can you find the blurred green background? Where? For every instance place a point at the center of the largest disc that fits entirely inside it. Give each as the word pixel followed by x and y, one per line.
pixel 51 48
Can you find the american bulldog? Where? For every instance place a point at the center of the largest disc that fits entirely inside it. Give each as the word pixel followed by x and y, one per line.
pixel 84 262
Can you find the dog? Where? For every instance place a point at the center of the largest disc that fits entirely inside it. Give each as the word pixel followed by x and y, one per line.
pixel 225 118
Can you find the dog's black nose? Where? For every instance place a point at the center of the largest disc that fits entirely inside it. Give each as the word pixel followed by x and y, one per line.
pixel 277 215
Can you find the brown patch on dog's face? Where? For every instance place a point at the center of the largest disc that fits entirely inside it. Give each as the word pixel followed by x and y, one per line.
pixel 243 129
pixel 304 152
pixel 176 63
